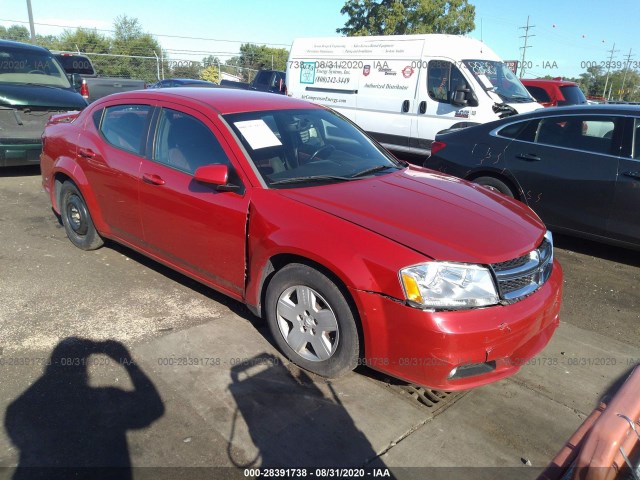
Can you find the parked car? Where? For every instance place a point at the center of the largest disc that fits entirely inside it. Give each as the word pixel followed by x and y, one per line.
pixel 607 444
pixel 90 85
pixel 554 92
pixel 272 81
pixel 351 255
pixel 577 167
pixel 181 82
pixel 33 86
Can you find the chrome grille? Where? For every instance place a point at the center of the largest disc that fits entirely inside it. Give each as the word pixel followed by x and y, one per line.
pixel 522 276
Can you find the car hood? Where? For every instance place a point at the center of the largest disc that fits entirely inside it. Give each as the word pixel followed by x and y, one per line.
pixel 440 216
pixel 28 95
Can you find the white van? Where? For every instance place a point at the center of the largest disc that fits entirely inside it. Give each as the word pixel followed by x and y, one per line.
pixel 403 89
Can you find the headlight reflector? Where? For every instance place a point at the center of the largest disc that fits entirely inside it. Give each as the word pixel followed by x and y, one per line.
pixel 444 285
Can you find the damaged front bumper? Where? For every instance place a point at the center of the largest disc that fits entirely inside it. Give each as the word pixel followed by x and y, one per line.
pixel 458 350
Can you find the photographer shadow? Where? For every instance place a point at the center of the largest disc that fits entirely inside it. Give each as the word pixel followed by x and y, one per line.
pixel 65 428
pixel 291 421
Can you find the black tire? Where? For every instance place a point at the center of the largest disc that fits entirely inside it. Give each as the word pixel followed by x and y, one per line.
pixel 76 218
pixel 341 346
pixel 495 185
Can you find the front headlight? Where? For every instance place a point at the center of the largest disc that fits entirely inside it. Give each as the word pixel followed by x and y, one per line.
pixel 443 285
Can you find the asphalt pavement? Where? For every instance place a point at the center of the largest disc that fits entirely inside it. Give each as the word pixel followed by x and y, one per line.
pixel 198 389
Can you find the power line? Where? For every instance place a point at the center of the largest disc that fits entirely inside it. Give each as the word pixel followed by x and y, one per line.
pixel 612 51
pixel 626 69
pixel 153 34
pixel 524 49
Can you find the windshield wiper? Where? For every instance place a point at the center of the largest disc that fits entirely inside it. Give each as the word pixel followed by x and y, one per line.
pixel 312 178
pixel 377 168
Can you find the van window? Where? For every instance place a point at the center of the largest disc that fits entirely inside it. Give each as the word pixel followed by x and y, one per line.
pixel 443 79
pixel 125 126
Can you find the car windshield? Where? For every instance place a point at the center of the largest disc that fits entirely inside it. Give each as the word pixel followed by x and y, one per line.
pixel 293 148
pixel 496 77
pixel 19 65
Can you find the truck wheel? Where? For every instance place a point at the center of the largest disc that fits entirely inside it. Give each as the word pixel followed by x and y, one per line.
pixel 495 185
pixel 311 321
pixel 76 218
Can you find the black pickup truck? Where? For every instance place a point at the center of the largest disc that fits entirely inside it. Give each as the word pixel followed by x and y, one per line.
pixel 265 81
pixel 90 85
pixel 33 86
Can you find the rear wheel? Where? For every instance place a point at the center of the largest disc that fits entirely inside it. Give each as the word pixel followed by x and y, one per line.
pixel 311 321
pixel 494 184
pixel 76 218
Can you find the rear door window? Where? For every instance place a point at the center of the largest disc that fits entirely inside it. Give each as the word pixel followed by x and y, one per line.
pixel 581 132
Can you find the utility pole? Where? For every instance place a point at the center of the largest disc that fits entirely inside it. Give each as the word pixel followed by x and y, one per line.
pixel 31 26
pixel 526 41
pixel 613 50
pixel 626 69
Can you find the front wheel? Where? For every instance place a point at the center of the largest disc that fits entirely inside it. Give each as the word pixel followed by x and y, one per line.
pixel 494 184
pixel 311 321
pixel 77 220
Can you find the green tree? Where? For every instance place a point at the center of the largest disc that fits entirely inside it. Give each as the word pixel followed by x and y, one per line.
pixel 17 33
pixel 86 41
pixel 257 57
pixel 186 69
pixel 131 43
pixel 401 17
pixel 210 74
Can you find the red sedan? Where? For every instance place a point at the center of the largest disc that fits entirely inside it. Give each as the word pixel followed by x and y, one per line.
pixel 352 256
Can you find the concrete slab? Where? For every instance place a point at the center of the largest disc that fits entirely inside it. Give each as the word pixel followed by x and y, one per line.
pixel 270 412
pixel 578 367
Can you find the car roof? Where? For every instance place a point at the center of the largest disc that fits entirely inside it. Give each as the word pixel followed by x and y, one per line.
pixel 222 100
pixel 25 46
pixel 614 109
pixel 603 109
pixel 547 81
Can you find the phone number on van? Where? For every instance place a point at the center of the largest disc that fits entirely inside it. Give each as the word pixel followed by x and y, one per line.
pixel 321 79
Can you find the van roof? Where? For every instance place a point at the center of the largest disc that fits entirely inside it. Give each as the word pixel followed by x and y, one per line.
pixel 452 46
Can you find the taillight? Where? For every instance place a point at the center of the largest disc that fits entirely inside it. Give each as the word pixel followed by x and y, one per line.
pixel 84 89
pixel 437 146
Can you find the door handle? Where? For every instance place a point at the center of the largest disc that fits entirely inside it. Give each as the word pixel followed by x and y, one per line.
pixel 405 106
pixel 152 178
pixel 86 153
pixel 423 107
pixel 531 157
pixel 634 175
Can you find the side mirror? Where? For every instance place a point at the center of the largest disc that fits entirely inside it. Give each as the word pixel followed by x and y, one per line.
pixel 460 97
pixel 217 175
pixel 75 79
